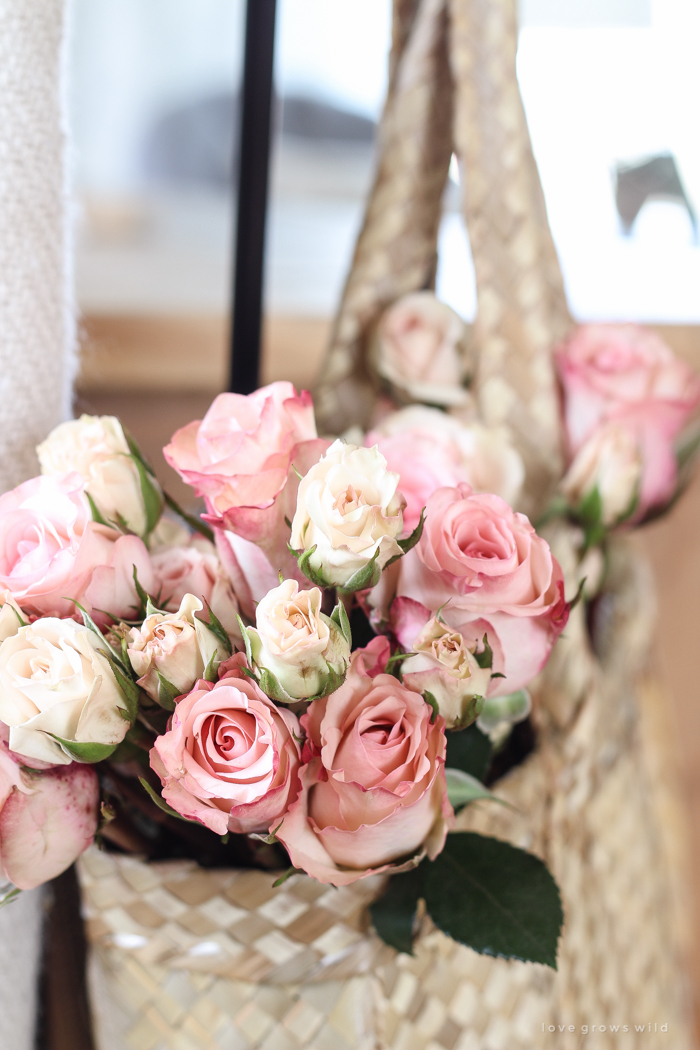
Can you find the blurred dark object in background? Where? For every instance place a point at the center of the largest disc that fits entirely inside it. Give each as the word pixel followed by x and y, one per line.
pixel 198 143
pixel 656 178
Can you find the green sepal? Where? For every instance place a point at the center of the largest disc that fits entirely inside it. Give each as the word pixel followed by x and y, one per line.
pixel 485 658
pixel 246 640
pixel 161 804
pixel 303 561
pixel 91 625
pixel 463 788
pixel 397 658
pixel 269 839
pixel 18 614
pixel 210 671
pixel 365 578
pixel 494 898
pixel 167 693
pixel 474 708
pixel 339 616
pixel 9 896
pixel 410 541
pixel 469 750
pixel 558 508
pixel 394 915
pixel 192 520
pixel 83 750
pixel 432 702
pixel 216 627
pixel 287 875
pixel 271 686
pixel 127 687
pixel 143 597
pixel 96 516
pixel 151 493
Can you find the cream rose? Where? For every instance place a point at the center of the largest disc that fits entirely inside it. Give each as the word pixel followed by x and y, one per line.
pixel 95 447
pixel 173 650
pixel 445 666
pixel 305 652
pixel 350 510
pixel 610 461
pixel 58 693
pixel 419 349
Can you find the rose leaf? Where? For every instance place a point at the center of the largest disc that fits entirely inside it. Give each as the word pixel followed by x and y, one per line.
pixel 190 519
pixel 495 898
pixel 395 914
pixel 469 750
pixel 167 693
pixel 151 494
pixel 162 804
pixel 432 702
pixel 463 788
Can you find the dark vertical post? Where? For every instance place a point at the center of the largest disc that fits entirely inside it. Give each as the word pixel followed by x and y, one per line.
pixel 253 167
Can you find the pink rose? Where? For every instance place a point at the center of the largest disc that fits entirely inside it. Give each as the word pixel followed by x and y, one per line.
pixel 373 787
pixel 230 759
pixel 430 450
pixel 50 547
pixel 607 371
pixel 241 458
pixel 195 569
pixel 47 819
pixel 112 589
pixel 493 574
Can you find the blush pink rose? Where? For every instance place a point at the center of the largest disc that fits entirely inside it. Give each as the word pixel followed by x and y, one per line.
pixel 230 758
pixel 47 819
pixel 607 371
pixel 50 548
pixel 195 569
pixel 485 564
pixel 241 458
pixel 373 786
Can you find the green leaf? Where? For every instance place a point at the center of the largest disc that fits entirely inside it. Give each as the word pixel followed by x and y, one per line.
pixel 512 708
pixel 151 494
pixel 128 687
pixel 216 627
pixel 432 702
pixel 394 914
pixel 96 516
pixel 161 804
pixel 590 509
pixel 463 788
pixel 83 750
pixel 90 623
pixel 469 750
pixel 167 693
pixel 142 595
pixel 494 898
pixel 339 616
pixel 194 522
pixel 485 657
pixel 367 576
pixel 410 541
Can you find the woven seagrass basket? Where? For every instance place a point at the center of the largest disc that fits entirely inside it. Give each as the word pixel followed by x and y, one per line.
pixel 187 959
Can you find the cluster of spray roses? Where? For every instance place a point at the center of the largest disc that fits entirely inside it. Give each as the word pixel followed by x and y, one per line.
pixel 224 655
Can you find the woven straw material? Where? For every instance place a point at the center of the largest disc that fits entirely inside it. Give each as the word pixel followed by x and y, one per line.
pixel 184 958
pixel 396 249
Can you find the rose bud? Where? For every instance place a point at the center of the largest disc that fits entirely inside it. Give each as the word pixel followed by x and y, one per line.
pixel 348 518
pixel 47 820
pixel 58 694
pixel 419 349
pixel 298 652
pixel 447 668
pixel 171 651
pixel 230 759
pixel 373 790
pixel 95 447
pixel 430 450
pixel 489 572
pixel 606 475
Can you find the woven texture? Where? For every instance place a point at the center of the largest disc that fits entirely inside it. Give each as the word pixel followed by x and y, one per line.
pixel 37 332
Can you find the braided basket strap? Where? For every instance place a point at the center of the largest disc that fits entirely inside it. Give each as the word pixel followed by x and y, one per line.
pixel 395 252
pixel 522 307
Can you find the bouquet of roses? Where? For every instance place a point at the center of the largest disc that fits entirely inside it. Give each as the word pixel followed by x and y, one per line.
pixel 311 674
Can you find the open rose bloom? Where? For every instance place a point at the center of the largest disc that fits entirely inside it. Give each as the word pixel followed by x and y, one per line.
pixel 197 676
